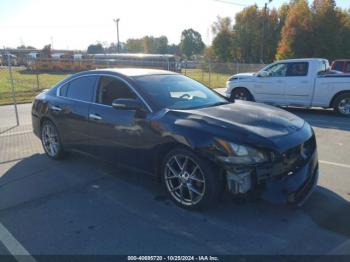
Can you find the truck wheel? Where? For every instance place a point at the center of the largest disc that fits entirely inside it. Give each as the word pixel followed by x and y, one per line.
pixel 342 104
pixel 241 94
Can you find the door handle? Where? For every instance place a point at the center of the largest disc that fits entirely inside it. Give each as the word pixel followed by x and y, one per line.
pixel 95 117
pixel 279 81
pixel 56 108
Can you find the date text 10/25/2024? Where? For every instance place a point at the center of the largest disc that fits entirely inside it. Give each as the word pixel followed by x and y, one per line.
pixel 173 258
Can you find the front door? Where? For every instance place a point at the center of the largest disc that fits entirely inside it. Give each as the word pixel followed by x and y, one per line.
pixel 270 88
pixel 118 135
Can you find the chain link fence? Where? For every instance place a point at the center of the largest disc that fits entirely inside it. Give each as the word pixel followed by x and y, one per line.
pixel 215 75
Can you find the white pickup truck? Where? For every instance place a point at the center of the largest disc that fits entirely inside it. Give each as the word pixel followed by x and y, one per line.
pixel 295 82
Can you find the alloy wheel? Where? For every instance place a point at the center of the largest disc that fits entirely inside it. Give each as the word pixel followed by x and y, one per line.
pixel 184 180
pixel 50 140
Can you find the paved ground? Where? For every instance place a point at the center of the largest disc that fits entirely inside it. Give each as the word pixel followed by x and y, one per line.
pixel 83 206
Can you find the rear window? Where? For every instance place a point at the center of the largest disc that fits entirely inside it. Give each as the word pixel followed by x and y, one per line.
pixel 338 66
pixel 347 68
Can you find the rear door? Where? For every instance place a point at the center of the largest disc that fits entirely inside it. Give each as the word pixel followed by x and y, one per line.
pixel 70 111
pixel 299 84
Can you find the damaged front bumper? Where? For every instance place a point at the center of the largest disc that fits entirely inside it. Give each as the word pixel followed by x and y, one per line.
pixel 292 186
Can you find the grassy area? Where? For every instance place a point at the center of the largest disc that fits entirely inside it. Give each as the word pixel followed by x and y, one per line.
pixel 216 80
pixel 28 84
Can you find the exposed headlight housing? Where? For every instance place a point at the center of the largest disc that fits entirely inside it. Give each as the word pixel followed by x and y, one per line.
pixel 241 154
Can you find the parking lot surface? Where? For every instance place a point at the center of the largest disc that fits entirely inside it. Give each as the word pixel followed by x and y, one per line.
pixel 82 205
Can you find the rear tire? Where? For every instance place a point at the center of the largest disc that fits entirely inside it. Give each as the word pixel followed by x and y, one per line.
pixel 341 104
pixel 241 94
pixel 51 140
pixel 190 182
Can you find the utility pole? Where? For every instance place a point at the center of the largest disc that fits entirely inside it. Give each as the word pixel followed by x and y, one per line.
pixel 263 32
pixel 116 21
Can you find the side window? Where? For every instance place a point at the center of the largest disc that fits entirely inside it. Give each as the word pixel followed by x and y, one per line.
pixel 111 88
pixel 278 70
pixel 63 90
pixel 347 68
pixel 80 89
pixel 298 69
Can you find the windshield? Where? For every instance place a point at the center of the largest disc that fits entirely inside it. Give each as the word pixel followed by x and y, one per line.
pixel 177 92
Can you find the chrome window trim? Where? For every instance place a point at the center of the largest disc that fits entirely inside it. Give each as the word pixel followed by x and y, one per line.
pixel 103 74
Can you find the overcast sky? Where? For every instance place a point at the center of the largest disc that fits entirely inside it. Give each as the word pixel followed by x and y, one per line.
pixel 74 24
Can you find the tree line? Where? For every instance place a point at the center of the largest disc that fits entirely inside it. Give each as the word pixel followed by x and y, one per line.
pixel 191 44
pixel 296 29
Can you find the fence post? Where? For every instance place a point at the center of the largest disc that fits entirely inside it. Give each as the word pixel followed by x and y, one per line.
pixel 202 69
pixel 12 87
pixel 209 69
pixel 37 79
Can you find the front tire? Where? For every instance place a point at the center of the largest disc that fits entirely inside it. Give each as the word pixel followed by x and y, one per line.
pixel 342 104
pixel 241 94
pixel 51 140
pixel 190 182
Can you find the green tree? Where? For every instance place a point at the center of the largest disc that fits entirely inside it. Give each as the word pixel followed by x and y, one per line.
pixel 222 46
pixel 191 43
pixel 223 42
pixel 95 49
pixel 253 37
pixel 46 51
pixel 344 50
pixel 248 34
pixel 148 45
pixel 134 45
pixel 221 24
pixel 328 29
pixel 174 49
pixel 296 36
pixel 161 45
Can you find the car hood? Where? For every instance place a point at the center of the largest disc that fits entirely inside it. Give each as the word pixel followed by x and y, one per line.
pixel 244 75
pixel 243 119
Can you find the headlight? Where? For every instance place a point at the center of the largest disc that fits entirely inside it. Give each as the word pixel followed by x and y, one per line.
pixel 232 78
pixel 240 154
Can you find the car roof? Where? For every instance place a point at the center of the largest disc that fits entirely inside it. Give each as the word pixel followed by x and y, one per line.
pixel 130 72
pixel 301 59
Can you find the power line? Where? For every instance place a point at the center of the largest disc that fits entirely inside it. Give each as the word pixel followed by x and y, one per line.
pixel 231 3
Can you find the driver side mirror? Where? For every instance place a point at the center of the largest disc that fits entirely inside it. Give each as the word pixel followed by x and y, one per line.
pixel 127 104
pixel 263 74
